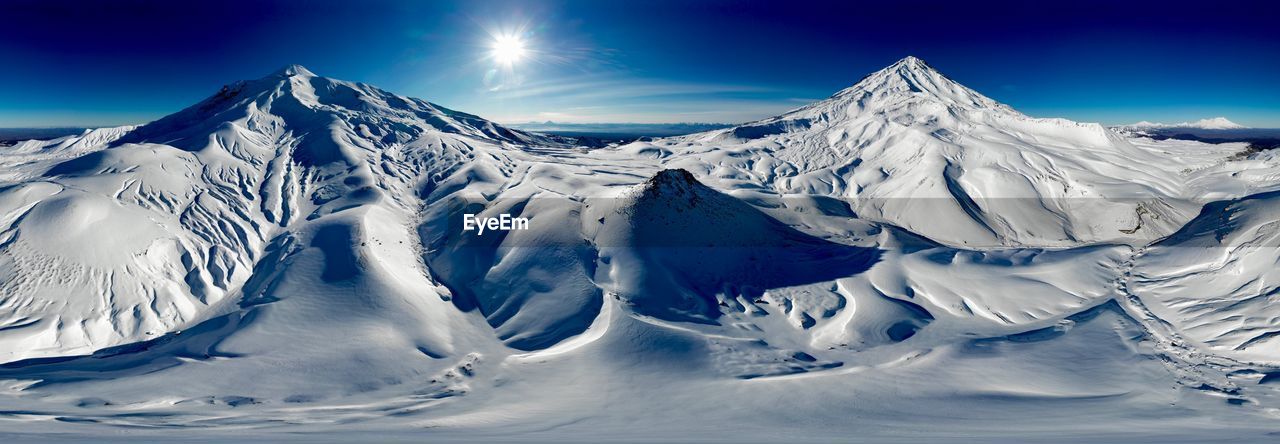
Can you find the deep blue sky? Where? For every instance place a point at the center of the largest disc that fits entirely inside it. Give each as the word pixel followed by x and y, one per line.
pixel 107 63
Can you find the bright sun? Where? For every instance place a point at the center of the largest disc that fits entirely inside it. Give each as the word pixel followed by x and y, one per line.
pixel 507 49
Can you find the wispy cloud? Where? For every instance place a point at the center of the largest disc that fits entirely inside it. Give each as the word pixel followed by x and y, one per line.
pixel 588 87
pixel 618 98
pixel 723 111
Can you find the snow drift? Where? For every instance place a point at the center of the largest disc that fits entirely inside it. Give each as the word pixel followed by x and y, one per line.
pixel 289 251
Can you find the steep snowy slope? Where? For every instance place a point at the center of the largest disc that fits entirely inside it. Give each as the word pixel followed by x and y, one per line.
pixel 122 235
pixel 289 255
pixel 670 246
pixel 1216 281
pixel 909 146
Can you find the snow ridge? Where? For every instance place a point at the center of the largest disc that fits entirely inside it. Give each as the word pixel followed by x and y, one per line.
pixel 288 251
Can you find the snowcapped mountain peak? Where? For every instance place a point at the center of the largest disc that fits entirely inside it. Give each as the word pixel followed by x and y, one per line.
pixel 1215 123
pixel 674 188
pixel 910 78
pixel 908 74
pixel 670 182
pixel 908 93
pixel 907 134
pixel 907 90
pixel 294 100
pixel 910 59
pixel 911 62
pixel 293 70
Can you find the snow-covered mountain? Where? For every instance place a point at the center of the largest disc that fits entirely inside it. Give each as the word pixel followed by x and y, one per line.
pixel 125 234
pixel 909 146
pixel 290 251
pixel 1216 123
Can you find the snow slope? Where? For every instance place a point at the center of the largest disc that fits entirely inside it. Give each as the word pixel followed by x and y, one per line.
pixel 911 147
pixel 1215 281
pixel 907 259
pixel 130 233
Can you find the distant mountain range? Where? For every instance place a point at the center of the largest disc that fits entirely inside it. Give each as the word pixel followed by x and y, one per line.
pixel 618 130
pixel 1216 123
pixel 9 136
pixel 1215 130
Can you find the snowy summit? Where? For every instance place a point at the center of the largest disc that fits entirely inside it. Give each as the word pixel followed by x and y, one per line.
pixel 289 255
pixel 1216 123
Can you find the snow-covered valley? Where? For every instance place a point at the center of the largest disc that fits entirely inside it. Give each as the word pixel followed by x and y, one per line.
pixel 905 260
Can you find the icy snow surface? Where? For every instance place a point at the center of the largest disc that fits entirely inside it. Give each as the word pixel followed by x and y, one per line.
pixel 907 259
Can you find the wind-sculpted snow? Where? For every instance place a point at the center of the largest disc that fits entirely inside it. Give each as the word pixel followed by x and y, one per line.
pixel 27 159
pixel 1216 280
pixel 913 148
pixel 292 254
pixel 150 229
pixel 672 248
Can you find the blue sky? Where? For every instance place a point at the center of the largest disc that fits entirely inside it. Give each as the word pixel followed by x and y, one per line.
pixel 108 63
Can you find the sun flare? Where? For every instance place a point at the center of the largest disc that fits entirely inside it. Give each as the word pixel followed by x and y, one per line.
pixel 507 49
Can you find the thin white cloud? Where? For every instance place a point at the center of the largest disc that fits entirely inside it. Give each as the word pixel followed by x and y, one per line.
pixel 600 88
pixel 717 111
pixel 619 98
